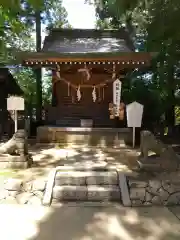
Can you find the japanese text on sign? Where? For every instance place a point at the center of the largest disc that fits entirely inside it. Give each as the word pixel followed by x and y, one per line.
pixel 117 95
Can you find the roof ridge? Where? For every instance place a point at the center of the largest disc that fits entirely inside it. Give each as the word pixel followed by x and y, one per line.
pixel 57 34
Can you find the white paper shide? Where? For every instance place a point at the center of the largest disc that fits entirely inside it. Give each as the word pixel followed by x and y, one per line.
pixel 134 114
pixel 117 95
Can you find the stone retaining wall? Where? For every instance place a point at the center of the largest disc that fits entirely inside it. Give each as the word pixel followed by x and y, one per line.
pixel 154 192
pixel 141 192
pixel 14 191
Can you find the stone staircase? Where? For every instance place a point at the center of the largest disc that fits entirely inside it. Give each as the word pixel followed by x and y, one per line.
pixel 86 184
pixel 68 122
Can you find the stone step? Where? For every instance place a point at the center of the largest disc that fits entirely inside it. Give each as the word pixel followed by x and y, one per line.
pixel 87 193
pixel 86 183
pixel 81 178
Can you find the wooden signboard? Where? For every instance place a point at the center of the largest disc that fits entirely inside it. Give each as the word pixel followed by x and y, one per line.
pixel 15 104
pixel 134 116
pixel 117 95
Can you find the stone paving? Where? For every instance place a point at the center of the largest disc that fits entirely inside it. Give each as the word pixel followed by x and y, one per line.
pixel 29 185
pixel 21 188
pixel 47 157
pixel 15 191
pixel 154 192
pixel 67 222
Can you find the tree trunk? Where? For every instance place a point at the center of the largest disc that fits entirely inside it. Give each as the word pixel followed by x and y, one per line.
pixel 170 103
pixel 38 71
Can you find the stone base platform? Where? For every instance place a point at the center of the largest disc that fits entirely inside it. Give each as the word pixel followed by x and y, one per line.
pixel 117 137
pixel 14 162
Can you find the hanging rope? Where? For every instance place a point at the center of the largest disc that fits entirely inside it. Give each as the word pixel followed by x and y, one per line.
pixel 74 86
pixel 86 71
pixel 102 84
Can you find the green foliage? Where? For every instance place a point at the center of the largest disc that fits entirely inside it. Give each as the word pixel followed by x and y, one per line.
pixel 17 18
pixel 58 16
pixel 152 24
pixel 26 79
pixel 17 21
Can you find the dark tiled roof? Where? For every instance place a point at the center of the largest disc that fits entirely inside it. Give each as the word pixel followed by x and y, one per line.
pixel 88 41
pixel 9 82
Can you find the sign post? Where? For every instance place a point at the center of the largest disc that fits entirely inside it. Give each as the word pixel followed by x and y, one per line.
pixel 134 117
pixel 15 104
pixel 117 95
pixel 15 120
pixel 117 98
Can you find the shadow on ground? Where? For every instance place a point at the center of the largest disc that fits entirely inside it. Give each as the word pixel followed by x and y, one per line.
pixel 111 223
pixel 68 222
pixel 47 157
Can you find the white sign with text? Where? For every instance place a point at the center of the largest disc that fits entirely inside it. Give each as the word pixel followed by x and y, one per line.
pixel 134 114
pixel 117 95
pixel 15 103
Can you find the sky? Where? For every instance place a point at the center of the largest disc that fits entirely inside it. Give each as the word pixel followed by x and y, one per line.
pixel 80 15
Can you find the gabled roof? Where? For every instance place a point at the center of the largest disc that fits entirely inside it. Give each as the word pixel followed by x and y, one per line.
pixel 88 41
pixel 9 82
pixel 66 46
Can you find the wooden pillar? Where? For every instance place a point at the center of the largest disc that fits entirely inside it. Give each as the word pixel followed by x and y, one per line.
pixel 54 101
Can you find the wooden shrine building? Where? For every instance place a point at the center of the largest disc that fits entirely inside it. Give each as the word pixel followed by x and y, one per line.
pixel 8 86
pixel 84 65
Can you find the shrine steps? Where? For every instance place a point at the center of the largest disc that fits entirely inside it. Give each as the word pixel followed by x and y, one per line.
pixel 86 184
pixel 76 122
pixel 71 114
pixel 68 122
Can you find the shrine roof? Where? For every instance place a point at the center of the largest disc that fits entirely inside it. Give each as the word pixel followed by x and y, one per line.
pixel 9 82
pixel 88 41
pixel 85 45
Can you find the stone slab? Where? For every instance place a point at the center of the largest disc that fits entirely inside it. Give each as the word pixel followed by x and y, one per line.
pixel 7 158
pixel 14 165
pixel 102 178
pixel 90 193
pixel 84 167
pixel 49 188
pixel 124 190
pixel 86 178
pixel 92 136
pixel 137 193
pixel 70 193
pixel 137 184
pixel 70 178
pixel 104 193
